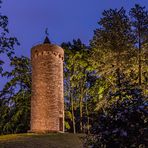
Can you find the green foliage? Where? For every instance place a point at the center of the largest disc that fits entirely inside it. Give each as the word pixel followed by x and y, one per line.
pixel 120 119
pixel 139 20
pixel 75 65
pixel 123 122
pixel 7 43
pixel 15 98
pixel 112 44
pixel 83 89
pixel 139 16
pixel 114 32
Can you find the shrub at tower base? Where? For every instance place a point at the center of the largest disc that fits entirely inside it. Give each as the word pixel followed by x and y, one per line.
pixel 123 122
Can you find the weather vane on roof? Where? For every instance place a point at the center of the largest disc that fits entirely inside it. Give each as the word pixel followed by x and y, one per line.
pixel 46 32
pixel 47 35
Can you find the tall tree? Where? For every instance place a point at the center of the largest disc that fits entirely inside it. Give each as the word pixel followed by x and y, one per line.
pixel 112 43
pixel 139 17
pixel 75 79
pixel 83 88
pixel 15 97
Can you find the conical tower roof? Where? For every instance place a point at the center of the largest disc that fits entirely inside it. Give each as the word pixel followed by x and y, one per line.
pixel 46 40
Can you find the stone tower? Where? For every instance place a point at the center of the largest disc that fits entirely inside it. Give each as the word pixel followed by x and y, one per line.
pixel 47 101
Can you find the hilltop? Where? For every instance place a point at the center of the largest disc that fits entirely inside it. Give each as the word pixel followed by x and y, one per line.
pixel 41 141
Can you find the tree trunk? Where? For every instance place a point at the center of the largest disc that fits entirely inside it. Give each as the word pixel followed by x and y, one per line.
pixel 81 115
pixel 81 107
pixel 139 60
pixel 73 116
pixel 118 72
pixel 72 107
pixel 87 113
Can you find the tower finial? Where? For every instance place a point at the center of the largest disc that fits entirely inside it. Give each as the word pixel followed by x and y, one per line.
pixel 47 41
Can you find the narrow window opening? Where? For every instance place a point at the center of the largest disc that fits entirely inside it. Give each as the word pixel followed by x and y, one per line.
pixel 61 124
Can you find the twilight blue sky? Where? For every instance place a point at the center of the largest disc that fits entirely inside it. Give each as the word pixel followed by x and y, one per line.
pixel 65 19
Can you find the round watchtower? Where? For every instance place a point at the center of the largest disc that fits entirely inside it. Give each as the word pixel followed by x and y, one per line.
pixel 47 101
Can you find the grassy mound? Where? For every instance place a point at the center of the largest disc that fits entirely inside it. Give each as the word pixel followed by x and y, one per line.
pixel 55 140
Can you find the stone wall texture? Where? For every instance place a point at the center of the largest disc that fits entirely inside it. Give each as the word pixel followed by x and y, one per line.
pixel 47 102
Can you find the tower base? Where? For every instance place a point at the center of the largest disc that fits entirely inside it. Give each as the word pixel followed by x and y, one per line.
pixel 44 131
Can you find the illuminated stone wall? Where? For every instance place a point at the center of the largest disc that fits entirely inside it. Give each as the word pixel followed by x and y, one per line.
pixel 47 102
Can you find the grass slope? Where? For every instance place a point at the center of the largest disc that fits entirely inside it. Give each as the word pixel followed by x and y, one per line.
pixel 41 141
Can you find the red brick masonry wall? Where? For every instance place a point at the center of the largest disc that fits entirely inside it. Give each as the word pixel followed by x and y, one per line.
pixel 47 102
